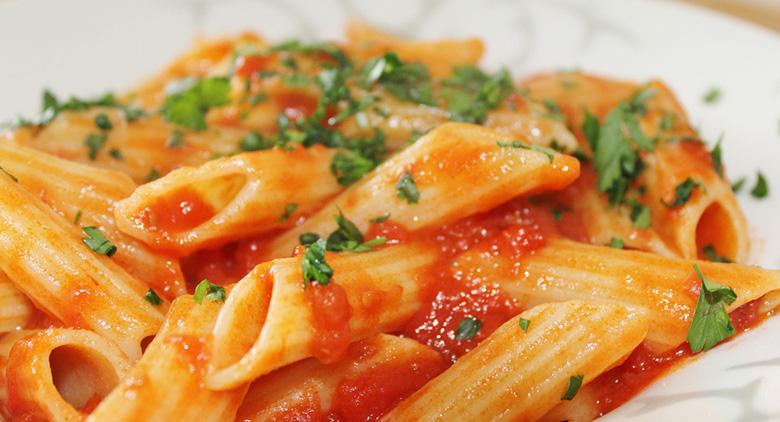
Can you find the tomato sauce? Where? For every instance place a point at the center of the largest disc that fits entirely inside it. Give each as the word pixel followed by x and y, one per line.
pixel 247 65
pixel 620 384
pixel 330 319
pixel 295 105
pixel 182 210
pixel 193 349
pixel 390 230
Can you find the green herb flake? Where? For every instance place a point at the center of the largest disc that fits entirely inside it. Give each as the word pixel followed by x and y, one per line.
pixel 314 266
pixel 289 209
pixel 761 188
pixel 682 193
pixel 716 155
pixel 616 243
pixel 468 328
pixel 77 218
pixel 469 93
pixel 208 291
pixel 640 216
pixel 711 323
pixel 94 143
pixel 405 81
pixel 533 147
pixel 348 238
pixel 103 122
pixel 553 110
pixel 381 219
pixel 153 298
pixel 116 154
pixel 350 166
pixel 738 184
pixel 188 105
pixel 176 140
pixel 153 175
pixel 97 242
pixel 524 323
pixel 4 171
pixel 557 213
pixel 667 120
pixel 712 95
pixel 712 255
pixel 308 238
pixel 575 382
pixel 407 189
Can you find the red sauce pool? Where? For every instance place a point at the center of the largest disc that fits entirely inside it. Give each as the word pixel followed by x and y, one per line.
pixel 296 105
pixel 331 313
pixel 182 210
pixel 247 65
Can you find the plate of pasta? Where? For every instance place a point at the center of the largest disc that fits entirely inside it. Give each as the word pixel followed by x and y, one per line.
pixel 355 211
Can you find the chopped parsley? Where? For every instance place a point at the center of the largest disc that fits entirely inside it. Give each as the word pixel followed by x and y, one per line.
pixel 640 216
pixel 153 175
pixel 94 143
pixel 189 102
pixel 709 252
pixel 405 81
pixel 253 141
pixel 469 93
pixel 289 209
pixel 533 147
pixel 348 238
pixel 116 154
pixel 468 328
pixel 103 122
pixel 52 107
pixel 738 184
pixel 314 266
pixel 682 193
pixel 575 382
pixel 176 140
pixel 209 291
pixel 97 242
pixel 667 120
pixel 761 188
pixel 381 219
pixel 590 128
pixel 308 238
pixel 4 171
pixel 716 157
pixel 553 110
pixel 616 243
pixel 153 298
pixel 711 323
pixel 407 189
pixel 524 323
pixel 349 166
pixel 557 213
pixel 712 95
pixel 77 218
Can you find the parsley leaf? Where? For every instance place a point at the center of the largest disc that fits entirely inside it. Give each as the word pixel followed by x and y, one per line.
pixel 709 252
pixel 289 209
pixel 97 242
pixel 716 157
pixel 350 166
pixel 103 122
pixel 209 291
pixel 152 298
pixel 575 382
pixel 94 143
pixel 682 193
pixel 468 328
pixel 405 81
pixel 349 238
pixel 524 323
pixel 590 128
pixel 77 218
pixel 553 110
pixel 738 184
pixel 533 147
pixel 712 95
pixel 761 188
pixel 407 189
pixel 308 238
pixel 640 215
pixel 381 219
pixel 176 140
pixel 710 324
pixel 616 243
pixel 253 141
pixel 187 106
pixel 314 266
pixel 469 93
pixel 116 154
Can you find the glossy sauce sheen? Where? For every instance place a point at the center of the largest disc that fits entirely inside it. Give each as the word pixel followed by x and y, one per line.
pixel 330 319
pixel 181 210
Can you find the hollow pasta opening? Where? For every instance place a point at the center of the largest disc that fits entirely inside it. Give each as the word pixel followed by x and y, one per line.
pixel 83 377
pixel 716 234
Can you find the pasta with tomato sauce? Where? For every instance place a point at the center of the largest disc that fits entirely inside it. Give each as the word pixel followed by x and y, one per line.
pixel 375 229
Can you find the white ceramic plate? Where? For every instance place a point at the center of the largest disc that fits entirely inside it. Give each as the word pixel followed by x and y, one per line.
pixel 87 47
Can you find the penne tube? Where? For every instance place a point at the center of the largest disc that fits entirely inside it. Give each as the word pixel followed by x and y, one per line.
pixel 519 375
pixel 7 341
pixel 440 57
pixel 385 368
pixel 472 173
pixel 271 320
pixel 167 383
pixel 61 374
pixel 87 194
pixel 46 258
pixel 667 288
pixel 15 309
pixel 248 194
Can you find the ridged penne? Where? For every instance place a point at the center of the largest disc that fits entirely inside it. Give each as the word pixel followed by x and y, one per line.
pixel 519 375
pixel 309 387
pixel 15 309
pixel 196 207
pixel 61 374
pixel 666 287
pixel 7 341
pixel 87 194
pixel 167 383
pixel 44 256
pixel 475 170
pixel 271 320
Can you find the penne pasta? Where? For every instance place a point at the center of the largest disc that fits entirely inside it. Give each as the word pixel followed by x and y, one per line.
pixel 226 199
pixel 271 320
pixel 519 375
pixel 380 363
pixel 476 170
pixel 15 309
pixel 666 287
pixel 167 383
pixel 61 375
pixel 7 341
pixel 86 196
pixel 45 257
